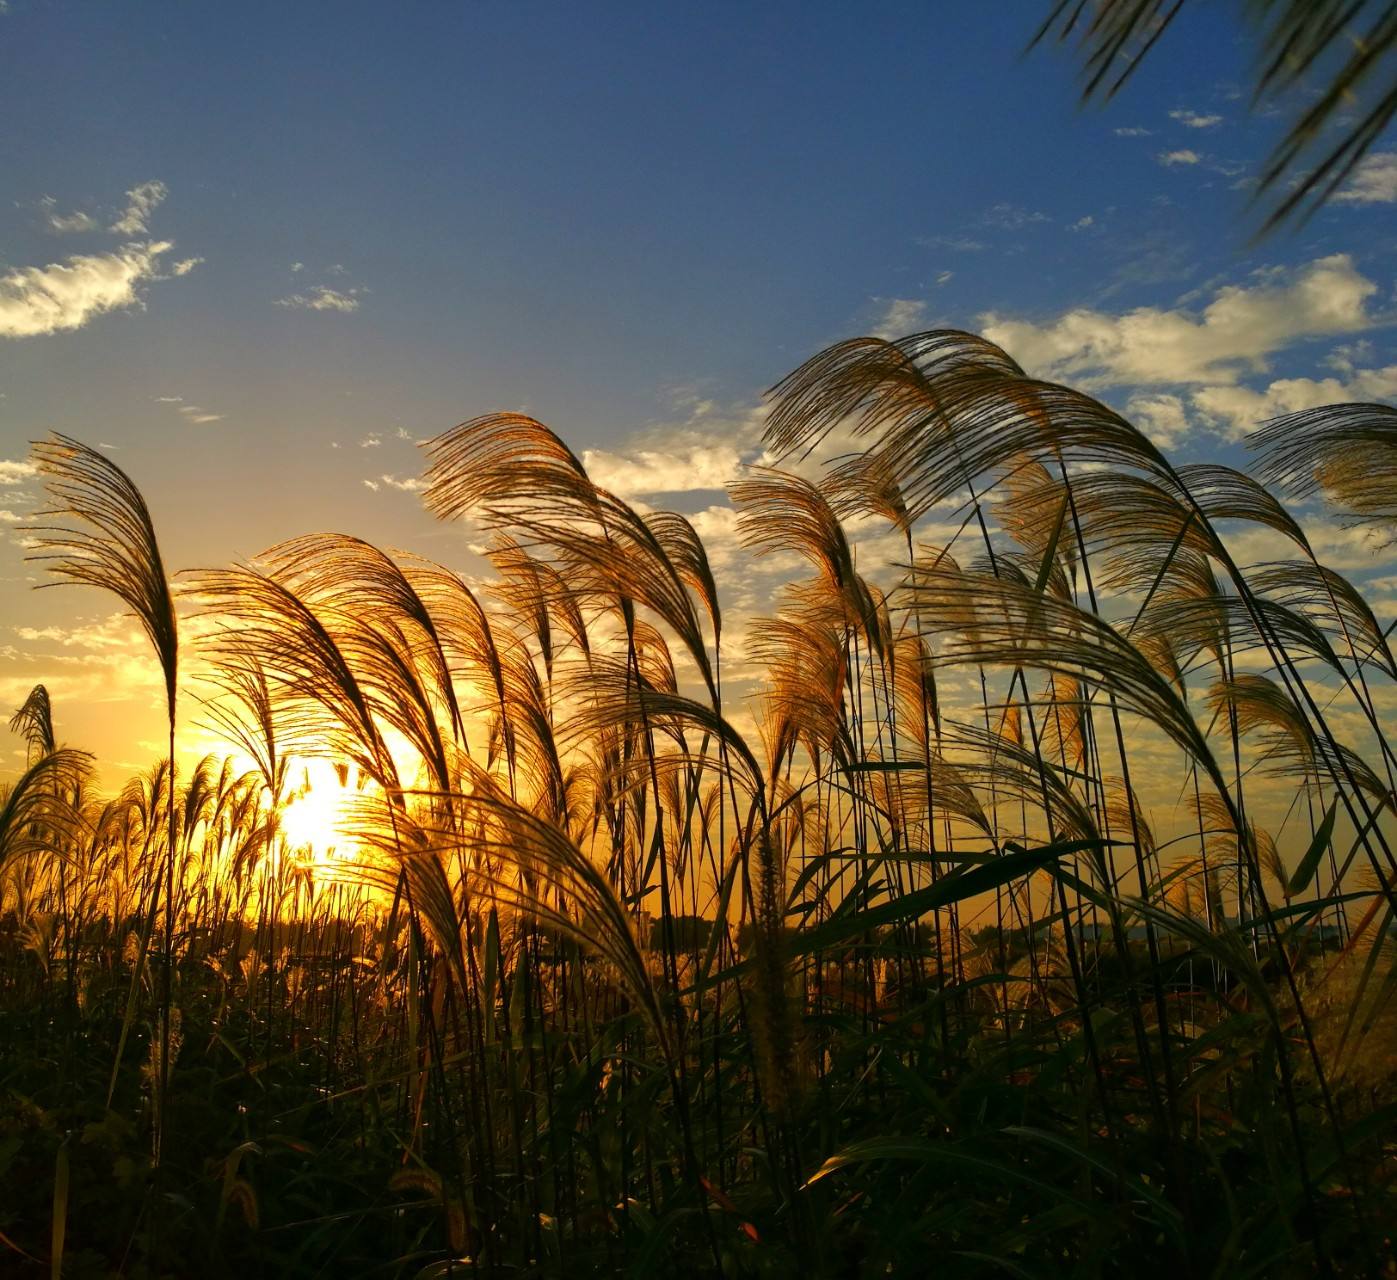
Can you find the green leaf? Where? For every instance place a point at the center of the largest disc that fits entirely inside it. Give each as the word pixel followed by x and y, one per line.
pixel 953 888
pixel 1304 873
pixel 1050 551
pixel 924 1151
pixel 60 1211
pixel 1169 1216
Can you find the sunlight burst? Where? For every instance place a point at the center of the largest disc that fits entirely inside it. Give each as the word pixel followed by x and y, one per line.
pixel 315 817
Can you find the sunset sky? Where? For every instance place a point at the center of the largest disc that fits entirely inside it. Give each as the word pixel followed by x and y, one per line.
pixel 260 251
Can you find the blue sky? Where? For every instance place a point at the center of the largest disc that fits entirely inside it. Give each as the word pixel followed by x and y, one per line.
pixel 259 250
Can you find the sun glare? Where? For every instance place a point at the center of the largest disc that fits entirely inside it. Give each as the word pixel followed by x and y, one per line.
pixel 315 816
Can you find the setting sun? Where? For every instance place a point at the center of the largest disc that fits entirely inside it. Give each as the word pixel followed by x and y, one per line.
pixel 316 815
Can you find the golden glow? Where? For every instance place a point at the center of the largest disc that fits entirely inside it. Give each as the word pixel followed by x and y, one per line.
pixel 317 812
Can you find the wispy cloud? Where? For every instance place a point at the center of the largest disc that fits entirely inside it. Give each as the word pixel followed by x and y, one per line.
pixel 65 223
pixel 1193 120
pixel 405 484
pixel 956 244
pixel 141 202
pixel 191 413
pixel 66 295
pixel 323 298
pixel 899 316
pixel 1373 182
pixel 1132 131
pixel 1011 217
pixel 1181 157
pixel 1236 331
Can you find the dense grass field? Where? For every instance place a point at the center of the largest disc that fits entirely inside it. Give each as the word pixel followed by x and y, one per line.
pixel 1014 901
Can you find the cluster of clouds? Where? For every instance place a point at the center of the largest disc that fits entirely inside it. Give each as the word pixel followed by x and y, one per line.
pixel 66 295
pixel 1234 333
pixel 1374 180
pixel 62 296
pixel 191 413
pixel 321 297
pixel 404 484
pixel 1183 365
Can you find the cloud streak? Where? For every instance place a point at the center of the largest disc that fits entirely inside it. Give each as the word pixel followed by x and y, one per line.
pixel 322 298
pixel 66 295
pixel 65 223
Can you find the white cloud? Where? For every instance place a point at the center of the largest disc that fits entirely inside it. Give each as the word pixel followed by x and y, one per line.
pixel 191 413
pixel 651 471
pixel 1347 356
pixel 957 244
pixel 900 316
pixel 1240 409
pixel 322 298
pixel 65 223
pixel 1182 156
pixel 1131 131
pixel 16 472
pixel 371 441
pixel 1192 120
pixel 184 266
pixel 371 484
pixel 1011 217
pixel 141 202
pixel 1161 417
pixel 1236 331
pixel 407 484
pixel 1082 223
pixel 1373 182
pixel 66 295
pixel 944 277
